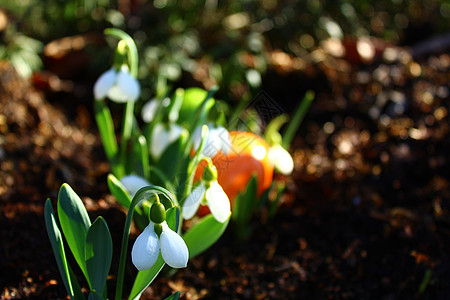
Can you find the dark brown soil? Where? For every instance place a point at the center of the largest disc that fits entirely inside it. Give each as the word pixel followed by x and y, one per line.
pixel 366 215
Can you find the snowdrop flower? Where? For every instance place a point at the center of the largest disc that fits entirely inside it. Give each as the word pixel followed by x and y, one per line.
pixel 281 159
pixel 156 237
pixel 133 183
pixel 218 139
pixel 117 85
pixel 208 192
pixel 149 110
pixel 146 248
pixel 163 135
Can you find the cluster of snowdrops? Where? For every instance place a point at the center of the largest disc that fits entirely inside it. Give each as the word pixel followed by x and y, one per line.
pixel 175 160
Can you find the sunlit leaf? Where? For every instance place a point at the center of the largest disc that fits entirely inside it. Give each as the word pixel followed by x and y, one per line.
pixel 204 234
pixel 98 254
pixel 75 224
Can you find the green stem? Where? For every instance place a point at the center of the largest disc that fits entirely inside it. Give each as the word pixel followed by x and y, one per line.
pixel 126 132
pixel 133 63
pixel 297 119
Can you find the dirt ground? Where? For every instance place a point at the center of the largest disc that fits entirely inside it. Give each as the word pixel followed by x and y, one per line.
pixel 366 215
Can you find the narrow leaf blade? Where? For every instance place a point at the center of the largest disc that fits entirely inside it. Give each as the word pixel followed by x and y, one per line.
pixel 118 190
pixel 58 247
pixel 204 234
pixel 98 254
pixel 75 223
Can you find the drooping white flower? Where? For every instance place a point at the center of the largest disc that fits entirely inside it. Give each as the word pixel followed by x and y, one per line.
pixel 118 85
pixel 218 139
pixel 281 159
pixel 133 183
pixel 146 248
pixel 149 110
pixel 163 135
pixel 215 197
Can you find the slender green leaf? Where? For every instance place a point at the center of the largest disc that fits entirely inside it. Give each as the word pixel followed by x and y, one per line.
pixel 297 119
pixel 196 104
pixel 75 224
pixel 118 190
pixel 243 208
pixel 173 157
pixel 146 277
pixel 174 296
pixel 98 254
pixel 143 156
pixel 106 128
pixel 204 234
pixel 58 247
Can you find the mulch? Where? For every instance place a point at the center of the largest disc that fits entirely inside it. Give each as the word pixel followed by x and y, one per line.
pixel 365 216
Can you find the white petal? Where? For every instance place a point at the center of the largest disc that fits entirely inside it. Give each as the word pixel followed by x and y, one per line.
pixel 133 183
pixel 212 144
pixel 281 159
pixel 174 132
pixel 225 140
pixel 149 110
pixel 192 202
pixel 145 250
pixel 128 85
pixel 218 202
pixel 173 248
pixel 104 83
pixel 197 137
pixel 117 95
pixel 160 140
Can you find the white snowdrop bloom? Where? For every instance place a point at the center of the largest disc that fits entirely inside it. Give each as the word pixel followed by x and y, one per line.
pixel 281 159
pixel 163 135
pixel 216 199
pixel 119 86
pixel 146 248
pixel 149 110
pixel 133 183
pixel 218 139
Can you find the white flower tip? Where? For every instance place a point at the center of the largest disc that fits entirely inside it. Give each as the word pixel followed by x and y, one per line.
pixel 173 248
pixel 104 83
pixel 192 202
pixel 218 202
pixel 281 159
pixel 145 250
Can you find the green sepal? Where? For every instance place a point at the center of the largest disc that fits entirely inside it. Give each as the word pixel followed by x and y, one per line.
pixel 204 234
pixel 75 224
pixel 98 253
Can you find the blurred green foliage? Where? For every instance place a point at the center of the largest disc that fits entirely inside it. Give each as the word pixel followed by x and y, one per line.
pixel 220 42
